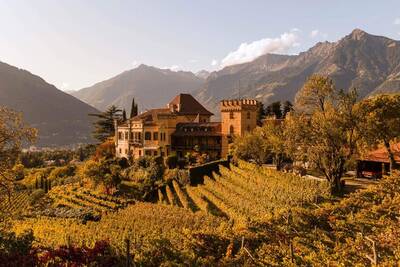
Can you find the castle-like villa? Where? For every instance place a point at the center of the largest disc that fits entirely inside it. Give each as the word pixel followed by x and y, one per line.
pixel 184 126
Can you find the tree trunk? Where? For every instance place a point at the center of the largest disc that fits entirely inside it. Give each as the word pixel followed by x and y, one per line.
pixel 336 186
pixel 392 161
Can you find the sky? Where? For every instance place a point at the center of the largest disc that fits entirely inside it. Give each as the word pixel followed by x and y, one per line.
pixel 74 43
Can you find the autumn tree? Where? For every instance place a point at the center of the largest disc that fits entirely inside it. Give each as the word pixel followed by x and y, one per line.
pixel 14 133
pixel 104 125
pixel 250 147
pixel 273 134
pixel 381 122
pixel 329 129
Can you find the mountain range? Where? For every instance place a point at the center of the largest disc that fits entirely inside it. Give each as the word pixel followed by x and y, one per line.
pixel 61 119
pixel 368 62
pixel 150 86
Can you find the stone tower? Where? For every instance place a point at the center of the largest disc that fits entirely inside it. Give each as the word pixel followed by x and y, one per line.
pixel 238 116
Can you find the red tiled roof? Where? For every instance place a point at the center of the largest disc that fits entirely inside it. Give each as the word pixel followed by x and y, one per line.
pixel 151 114
pixel 381 155
pixel 186 104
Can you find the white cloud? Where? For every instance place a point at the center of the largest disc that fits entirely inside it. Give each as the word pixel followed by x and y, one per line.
pixel 64 86
pixel 249 51
pixel 397 21
pixel 314 33
pixel 135 63
pixel 173 68
pixel 319 35
pixel 214 62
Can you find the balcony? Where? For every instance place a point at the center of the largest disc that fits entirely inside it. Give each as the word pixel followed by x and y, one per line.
pixel 201 147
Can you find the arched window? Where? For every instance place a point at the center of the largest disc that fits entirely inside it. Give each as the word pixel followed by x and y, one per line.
pixel 248 115
pixel 231 115
pixel 248 128
pixel 231 130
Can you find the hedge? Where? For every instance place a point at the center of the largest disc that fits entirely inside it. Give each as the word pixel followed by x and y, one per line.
pixel 196 174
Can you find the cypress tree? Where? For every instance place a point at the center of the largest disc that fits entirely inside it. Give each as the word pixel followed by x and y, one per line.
pixel 124 115
pixel 46 186
pixel 36 184
pixel 41 182
pixel 134 109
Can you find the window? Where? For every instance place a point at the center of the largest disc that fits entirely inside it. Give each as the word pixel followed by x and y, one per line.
pixel 231 130
pixel 120 151
pixel 162 136
pixel 120 135
pixel 126 135
pixel 248 128
pixel 148 153
pixel 139 136
pixel 155 153
pixel 155 136
pixel 140 153
pixel 162 154
pixel 248 115
pixel 231 115
pixel 147 136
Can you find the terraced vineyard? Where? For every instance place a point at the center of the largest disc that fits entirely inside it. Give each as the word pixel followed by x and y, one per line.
pixel 246 192
pixel 79 198
pixel 19 202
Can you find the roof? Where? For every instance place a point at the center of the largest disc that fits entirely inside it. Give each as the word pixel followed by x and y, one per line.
pixel 381 155
pixel 182 104
pixel 151 114
pixel 186 104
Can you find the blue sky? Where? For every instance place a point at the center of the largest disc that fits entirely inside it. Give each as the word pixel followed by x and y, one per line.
pixel 73 44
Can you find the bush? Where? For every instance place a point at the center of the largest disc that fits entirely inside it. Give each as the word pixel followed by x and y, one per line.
pixel 171 161
pixel 182 163
pixel 36 195
pixel 62 172
pixel 123 163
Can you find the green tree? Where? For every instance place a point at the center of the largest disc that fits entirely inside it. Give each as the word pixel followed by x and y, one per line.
pixel 104 125
pixel 134 109
pixel 286 108
pixel 260 114
pixel 327 129
pixel 274 109
pixel 13 134
pixel 123 115
pixel 381 122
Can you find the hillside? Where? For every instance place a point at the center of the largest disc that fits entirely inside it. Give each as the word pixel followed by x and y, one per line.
pixel 367 62
pixel 60 118
pixel 151 87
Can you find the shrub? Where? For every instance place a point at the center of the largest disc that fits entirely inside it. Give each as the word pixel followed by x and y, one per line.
pixel 19 172
pixel 171 161
pixel 36 195
pixel 62 172
pixel 182 163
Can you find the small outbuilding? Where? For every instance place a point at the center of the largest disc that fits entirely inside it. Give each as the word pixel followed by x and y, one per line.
pixel 376 163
